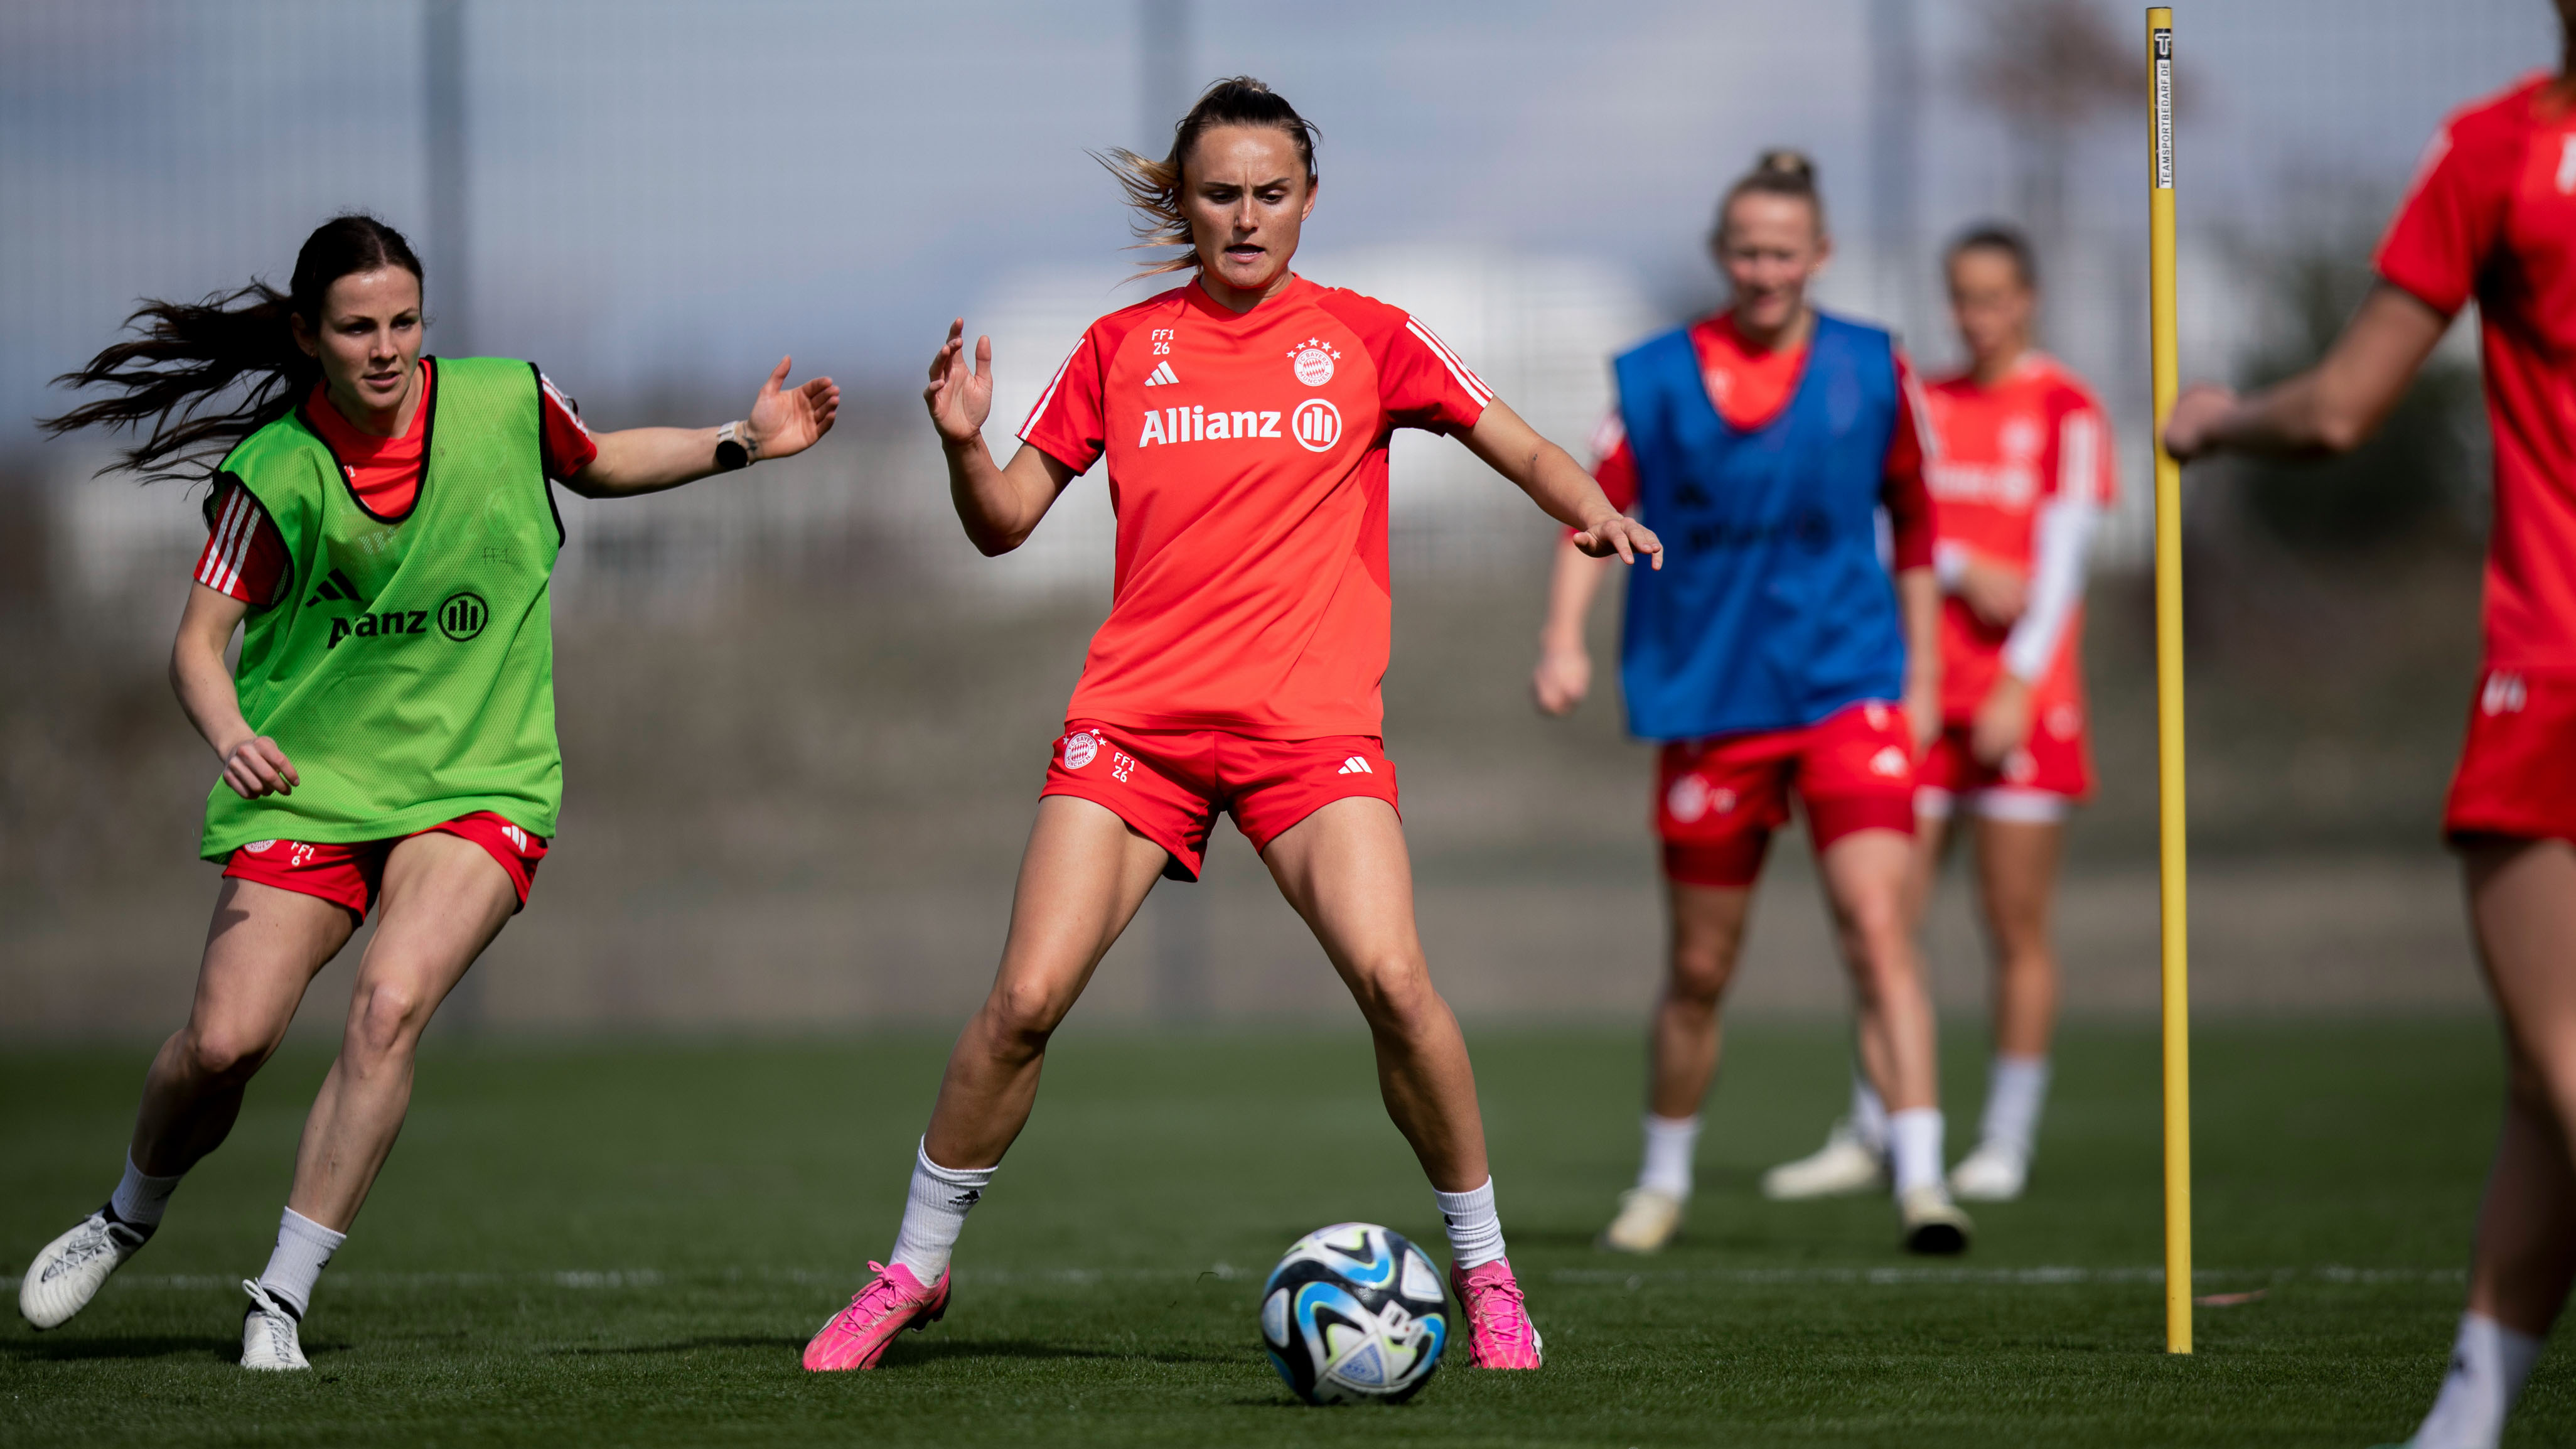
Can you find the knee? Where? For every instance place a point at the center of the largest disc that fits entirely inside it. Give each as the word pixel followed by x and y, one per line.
pixel 222 1055
pixel 1700 971
pixel 1022 1015
pixel 389 1020
pixel 1394 991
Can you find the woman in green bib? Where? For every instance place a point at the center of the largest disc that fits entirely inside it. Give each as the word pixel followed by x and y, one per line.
pixel 381 531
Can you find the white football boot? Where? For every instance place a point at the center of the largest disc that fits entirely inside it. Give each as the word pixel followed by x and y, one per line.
pixel 1933 1224
pixel 268 1333
pixel 68 1271
pixel 1648 1219
pixel 1992 1173
pixel 1843 1166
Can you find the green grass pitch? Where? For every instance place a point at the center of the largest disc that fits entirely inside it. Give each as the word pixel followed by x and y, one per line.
pixel 629 1242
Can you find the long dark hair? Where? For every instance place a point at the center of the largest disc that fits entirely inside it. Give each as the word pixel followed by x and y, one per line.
pixel 1154 187
pixel 186 354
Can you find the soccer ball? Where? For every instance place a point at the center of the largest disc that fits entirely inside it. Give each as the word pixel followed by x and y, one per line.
pixel 1354 1314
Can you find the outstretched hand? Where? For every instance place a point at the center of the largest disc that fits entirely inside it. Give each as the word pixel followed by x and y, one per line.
pixel 960 398
pixel 1623 536
pixel 2192 420
pixel 785 423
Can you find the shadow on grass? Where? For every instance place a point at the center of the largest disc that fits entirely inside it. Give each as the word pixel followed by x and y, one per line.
pixel 686 1345
pixel 74 1350
pixel 916 1354
pixel 905 1355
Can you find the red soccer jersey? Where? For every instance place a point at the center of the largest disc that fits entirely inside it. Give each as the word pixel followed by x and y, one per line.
pixel 2001 457
pixel 1749 387
pixel 2493 215
pixel 1247 466
pixel 244 555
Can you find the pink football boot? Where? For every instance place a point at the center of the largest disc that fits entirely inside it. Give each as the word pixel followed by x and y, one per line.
pixel 1499 1332
pixel 856 1337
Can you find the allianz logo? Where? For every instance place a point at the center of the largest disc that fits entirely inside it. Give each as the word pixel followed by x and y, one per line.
pixel 2006 485
pixel 1316 425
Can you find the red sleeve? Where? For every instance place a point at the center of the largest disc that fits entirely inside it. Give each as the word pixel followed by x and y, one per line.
pixel 1614 463
pixel 1069 422
pixel 564 441
pixel 245 556
pixel 1421 383
pixel 2450 220
pixel 1908 502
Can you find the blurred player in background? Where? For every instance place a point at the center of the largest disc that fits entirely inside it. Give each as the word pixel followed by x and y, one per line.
pixel 2491 218
pixel 382 531
pixel 2021 467
pixel 1778 654
pixel 1245 418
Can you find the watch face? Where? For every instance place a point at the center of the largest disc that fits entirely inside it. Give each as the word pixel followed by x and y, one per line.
pixel 730 454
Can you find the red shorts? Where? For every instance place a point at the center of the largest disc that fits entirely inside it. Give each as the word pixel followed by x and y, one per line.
pixel 349 876
pixel 2517 774
pixel 1170 785
pixel 1718 800
pixel 2052 770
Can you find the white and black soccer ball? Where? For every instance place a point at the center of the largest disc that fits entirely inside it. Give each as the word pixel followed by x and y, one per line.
pixel 1354 1314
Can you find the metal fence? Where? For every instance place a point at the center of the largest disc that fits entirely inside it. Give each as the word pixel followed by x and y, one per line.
pixel 655 200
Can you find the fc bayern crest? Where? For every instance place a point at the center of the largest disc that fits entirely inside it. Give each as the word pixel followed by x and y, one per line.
pixel 1314 359
pixel 1080 749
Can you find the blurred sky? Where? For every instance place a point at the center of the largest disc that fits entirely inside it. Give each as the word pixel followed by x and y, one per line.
pixel 668 193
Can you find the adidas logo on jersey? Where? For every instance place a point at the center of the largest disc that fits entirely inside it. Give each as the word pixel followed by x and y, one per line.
pixel 335 586
pixel 1355 766
pixel 1162 375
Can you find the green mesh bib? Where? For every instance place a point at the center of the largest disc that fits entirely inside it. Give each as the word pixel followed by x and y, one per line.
pixel 409 672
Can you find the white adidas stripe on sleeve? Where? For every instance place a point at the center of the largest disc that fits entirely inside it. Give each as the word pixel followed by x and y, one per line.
pixel 222 571
pixel 1467 378
pixel 1044 398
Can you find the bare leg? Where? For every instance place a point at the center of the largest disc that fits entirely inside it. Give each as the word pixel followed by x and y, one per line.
pixel 1931 838
pixel 263 948
pixel 1707 935
pixel 2522 900
pixel 1867 875
pixel 1345 869
pixel 2017 881
pixel 445 898
pixel 1081 881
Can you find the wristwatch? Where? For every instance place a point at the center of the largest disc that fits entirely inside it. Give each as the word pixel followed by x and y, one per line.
pixel 732 450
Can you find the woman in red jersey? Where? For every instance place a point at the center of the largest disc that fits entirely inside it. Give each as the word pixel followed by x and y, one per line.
pixel 382 536
pixel 2491 217
pixel 1789 657
pixel 2021 465
pixel 1245 418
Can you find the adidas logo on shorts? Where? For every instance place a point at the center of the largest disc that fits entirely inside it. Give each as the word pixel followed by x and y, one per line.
pixel 1355 766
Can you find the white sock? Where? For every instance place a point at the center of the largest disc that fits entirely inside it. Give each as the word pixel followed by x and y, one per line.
pixel 1914 1147
pixel 1868 1115
pixel 2016 1087
pixel 141 1198
pixel 1475 1229
pixel 935 1214
pixel 1670 1141
pixel 304 1248
pixel 2488 1365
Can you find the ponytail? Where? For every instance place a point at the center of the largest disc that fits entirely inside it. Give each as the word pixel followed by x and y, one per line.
pixel 1154 187
pixel 186 354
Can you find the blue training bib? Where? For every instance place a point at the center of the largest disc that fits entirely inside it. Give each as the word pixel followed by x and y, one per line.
pixel 1773 608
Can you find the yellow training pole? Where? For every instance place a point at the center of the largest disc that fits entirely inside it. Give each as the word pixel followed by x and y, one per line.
pixel 2170 812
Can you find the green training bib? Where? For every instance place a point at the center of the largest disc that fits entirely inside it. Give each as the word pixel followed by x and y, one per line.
pixel 409 672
